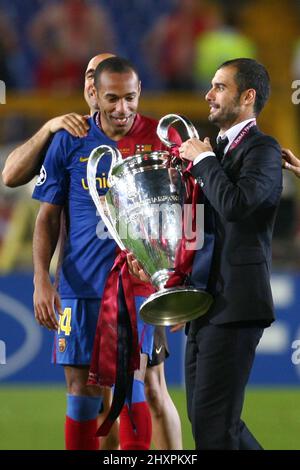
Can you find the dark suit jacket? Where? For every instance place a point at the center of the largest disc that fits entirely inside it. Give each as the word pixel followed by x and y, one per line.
pixel 244 192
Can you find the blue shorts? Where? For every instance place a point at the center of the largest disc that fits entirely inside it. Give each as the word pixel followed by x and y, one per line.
pixel 73 342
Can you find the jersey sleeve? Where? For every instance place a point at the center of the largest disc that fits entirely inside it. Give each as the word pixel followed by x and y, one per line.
pixel 52 183
pixel 43 155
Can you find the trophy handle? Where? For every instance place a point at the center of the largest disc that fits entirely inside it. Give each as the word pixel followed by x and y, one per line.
pixel 170 119
pixel 92 165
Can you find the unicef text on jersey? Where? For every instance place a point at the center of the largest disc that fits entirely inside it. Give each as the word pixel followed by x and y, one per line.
pixel 160 221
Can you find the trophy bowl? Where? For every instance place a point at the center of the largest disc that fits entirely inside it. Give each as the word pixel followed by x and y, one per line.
pixel 143 212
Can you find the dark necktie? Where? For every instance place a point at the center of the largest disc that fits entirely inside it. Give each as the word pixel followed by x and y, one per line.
pixel 220 147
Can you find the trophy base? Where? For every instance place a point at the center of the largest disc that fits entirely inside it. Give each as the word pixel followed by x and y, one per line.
pixel 175 305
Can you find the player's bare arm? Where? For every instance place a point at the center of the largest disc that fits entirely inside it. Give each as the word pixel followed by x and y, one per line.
pixel 23 162
pixel 291 162
pixel 45 299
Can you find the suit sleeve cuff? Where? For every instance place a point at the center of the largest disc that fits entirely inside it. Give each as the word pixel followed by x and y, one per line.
pixel 203 155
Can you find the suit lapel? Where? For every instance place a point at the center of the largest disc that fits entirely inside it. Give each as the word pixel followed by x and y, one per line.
pixel 233 157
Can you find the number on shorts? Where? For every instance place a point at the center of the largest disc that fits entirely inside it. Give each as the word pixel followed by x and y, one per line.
pixel 65 321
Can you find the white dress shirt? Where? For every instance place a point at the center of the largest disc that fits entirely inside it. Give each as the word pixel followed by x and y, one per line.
pixel 231 133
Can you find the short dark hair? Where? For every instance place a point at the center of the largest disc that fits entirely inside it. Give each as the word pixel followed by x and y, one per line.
pixel 251 74
pixel 113 65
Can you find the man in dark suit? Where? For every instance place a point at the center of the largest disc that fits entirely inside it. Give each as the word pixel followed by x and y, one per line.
pixel 242 183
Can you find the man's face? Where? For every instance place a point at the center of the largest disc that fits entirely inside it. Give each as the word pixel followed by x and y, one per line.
pixel 118 98
pixel 89 91
pixel 224 99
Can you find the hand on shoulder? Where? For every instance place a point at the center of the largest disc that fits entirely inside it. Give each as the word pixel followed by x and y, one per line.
pixel 74 123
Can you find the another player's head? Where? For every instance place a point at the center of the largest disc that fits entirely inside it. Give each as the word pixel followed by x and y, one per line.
pixel 89 93
pixel 117 89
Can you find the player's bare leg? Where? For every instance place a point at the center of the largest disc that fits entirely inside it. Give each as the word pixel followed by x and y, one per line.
pixel 165 419
pixel 111 441
pixel 83 405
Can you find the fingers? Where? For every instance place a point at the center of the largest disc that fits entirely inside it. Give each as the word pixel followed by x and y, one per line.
pixel 292 168
pixel 135 269
pixel 45 317
pixel 57 304
pixel 184 148
pixel 289 157
pixel 183 152
pixel 190 149
pixel 45 313
pixel 50 318
pixel 38 315
pixel 130 258
pixel 76 125
pixel 73 123
pixel 290 162
pixel 143 276
pixel 177 327
pixel 133 264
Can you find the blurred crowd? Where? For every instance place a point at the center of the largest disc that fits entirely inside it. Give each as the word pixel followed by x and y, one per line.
pixel 174 43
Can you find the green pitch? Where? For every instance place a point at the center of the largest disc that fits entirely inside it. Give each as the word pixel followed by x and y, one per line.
pixel 33 418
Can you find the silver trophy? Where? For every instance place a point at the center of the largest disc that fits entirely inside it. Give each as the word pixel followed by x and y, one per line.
pixel 142 211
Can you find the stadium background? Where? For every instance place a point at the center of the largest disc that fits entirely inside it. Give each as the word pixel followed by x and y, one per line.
pixel 32 396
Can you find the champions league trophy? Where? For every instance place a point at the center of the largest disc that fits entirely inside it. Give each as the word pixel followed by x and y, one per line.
pixel 143 212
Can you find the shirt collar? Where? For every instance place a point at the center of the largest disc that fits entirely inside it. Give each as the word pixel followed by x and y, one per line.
pixel 233 132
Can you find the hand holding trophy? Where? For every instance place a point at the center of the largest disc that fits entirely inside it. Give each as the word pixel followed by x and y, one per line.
pixel 144 212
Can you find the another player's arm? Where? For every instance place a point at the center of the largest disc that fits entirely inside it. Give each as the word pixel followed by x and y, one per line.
pixel 291 162
pixel 45 299
pixel 23 162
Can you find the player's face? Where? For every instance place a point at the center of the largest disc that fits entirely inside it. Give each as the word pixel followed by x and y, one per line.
pixel 224 100
pixel 89 91
pixel 118 98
